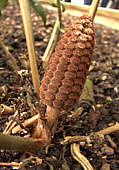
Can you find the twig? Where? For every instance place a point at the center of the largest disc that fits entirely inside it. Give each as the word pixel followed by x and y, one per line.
pixel 21 144
pixel 14 164
pixel 17 122
pixel 59 13
pixel 75 150
pixel 26 123
pixel 10 125
pixel 25 10
pixel 110 130
pixel 93 8
pixel 13 61
pixel 74 139
pixel 4 110
pixel 112 143
pixel 54 37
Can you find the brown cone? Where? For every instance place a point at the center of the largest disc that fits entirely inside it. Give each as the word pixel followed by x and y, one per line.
pixel 68 67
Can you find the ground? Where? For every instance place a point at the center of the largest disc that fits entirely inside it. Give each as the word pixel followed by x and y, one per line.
pixel 104 75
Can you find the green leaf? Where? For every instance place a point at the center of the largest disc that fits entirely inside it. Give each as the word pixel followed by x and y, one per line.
pixel 88 93
pixel 3 3
pixel 10 48
pixel 63 7
pixel 39 9
pixel 54 4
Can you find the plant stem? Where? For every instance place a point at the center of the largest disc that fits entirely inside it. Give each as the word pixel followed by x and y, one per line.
pixel 13 61
pixel 51 44
pixel 14 164
pixel 52 119
pixel 59 12
pixel 21 144
pixel 54 37
pixel 93 8
pixel 25 10
pixel 10 125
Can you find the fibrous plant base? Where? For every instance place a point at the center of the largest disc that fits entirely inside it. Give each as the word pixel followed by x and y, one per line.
pixel 68 67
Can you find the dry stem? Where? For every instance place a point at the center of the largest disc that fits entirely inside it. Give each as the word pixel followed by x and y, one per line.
pixel 14 164
pixel 74 139
pixel 75 151
pixel 52 119
pixel 45 129
pixel 110 130
pixel 93 8
pixel 10 125
pixel 20 144
pixel 13 61
pixel 4 110
pixel 51 45
pixel 25 10
pixel 26 123
pixel 54 37
pixel 59 13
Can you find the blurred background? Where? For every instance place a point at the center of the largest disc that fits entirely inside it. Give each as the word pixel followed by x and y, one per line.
pixel 104 3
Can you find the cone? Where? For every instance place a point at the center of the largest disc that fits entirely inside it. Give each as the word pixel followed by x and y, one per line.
pixel 68 67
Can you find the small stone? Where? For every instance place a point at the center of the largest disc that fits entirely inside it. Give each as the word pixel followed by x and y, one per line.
pixel 99 105
pixel 104 77
pixel 117 44
pixel 108 98
pixel 36 18
pixel 45 40
pixel 48 30
pixel 116 89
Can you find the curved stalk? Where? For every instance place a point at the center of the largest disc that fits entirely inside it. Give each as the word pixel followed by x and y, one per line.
pixel 75 150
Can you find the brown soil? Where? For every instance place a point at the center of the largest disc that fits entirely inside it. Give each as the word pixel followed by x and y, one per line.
pixel 104 75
